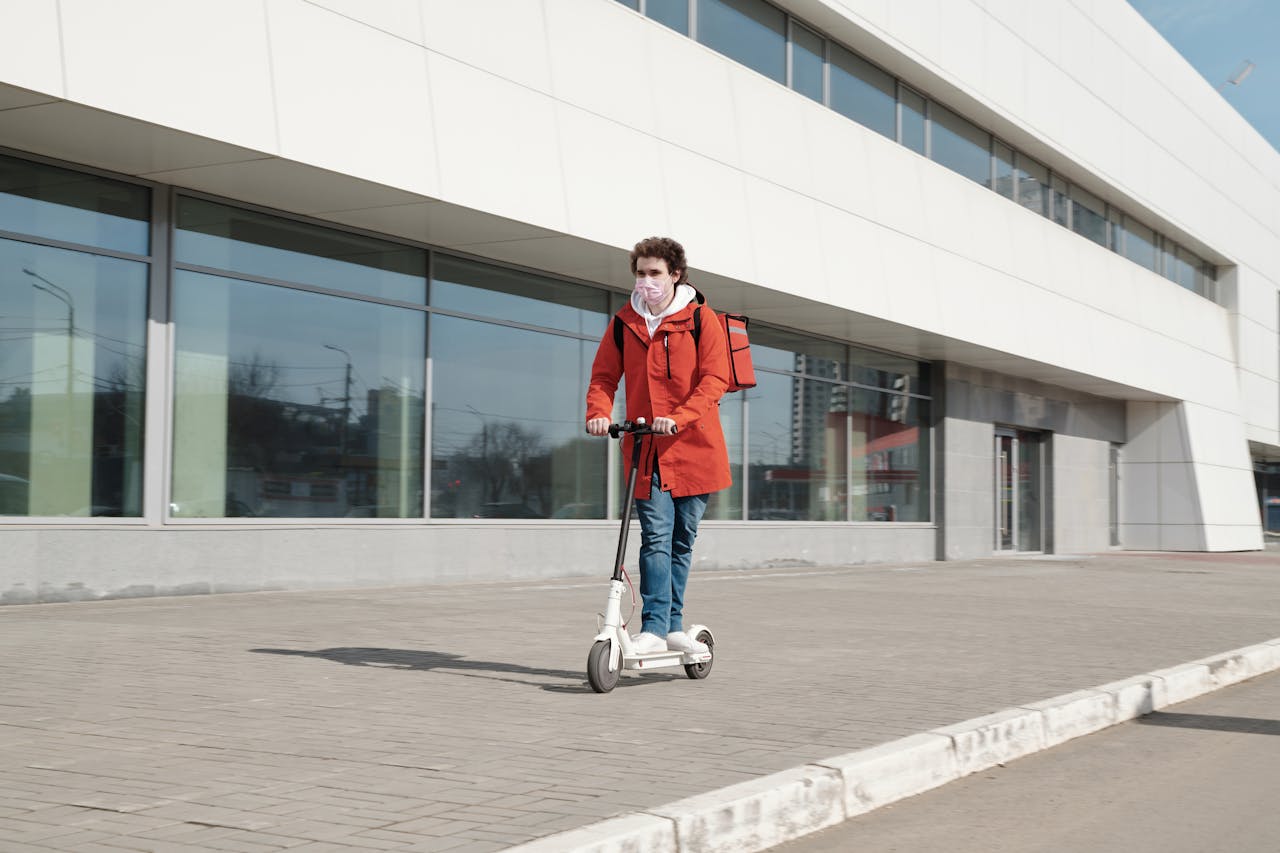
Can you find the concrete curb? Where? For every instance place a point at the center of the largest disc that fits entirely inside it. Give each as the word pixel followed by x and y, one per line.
pixel 762 813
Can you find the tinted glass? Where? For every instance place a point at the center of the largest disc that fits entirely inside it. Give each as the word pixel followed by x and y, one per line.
pixel 911 111
pixel 631 4
pixel 806 62
pixel 882 370
pixel 506 434
pixel 1088 216
pixel 798 442
pixel 58 204
pixel 672 13
pixel 73 351
pixel 780 350
pixel 863 92
pixel 1059 204
pixel 890 458
pixel 291 404
pixel 749 31
pixel 1140 244
pixel 488 291
pixel 1184 266
pixel 959 145
pixel 1004 180
pixel 244 241
pixel 1032 185
pixel 727 503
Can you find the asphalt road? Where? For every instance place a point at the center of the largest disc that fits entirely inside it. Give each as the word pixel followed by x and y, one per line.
pixel 1199 777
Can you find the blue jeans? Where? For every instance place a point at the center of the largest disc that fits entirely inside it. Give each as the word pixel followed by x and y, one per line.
pixel 668 527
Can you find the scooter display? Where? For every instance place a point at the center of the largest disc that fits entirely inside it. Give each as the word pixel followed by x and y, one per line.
pixel 613 650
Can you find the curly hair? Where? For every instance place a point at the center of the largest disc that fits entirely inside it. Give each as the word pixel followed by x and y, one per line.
pixel 665 249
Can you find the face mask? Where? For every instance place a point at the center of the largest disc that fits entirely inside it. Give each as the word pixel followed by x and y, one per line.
pixel 650 291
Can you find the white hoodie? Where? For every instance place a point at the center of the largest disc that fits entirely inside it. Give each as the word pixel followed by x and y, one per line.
pixel 683 296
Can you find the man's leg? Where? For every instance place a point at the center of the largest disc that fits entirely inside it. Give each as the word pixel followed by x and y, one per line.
pixel 657 517
pixel 688 513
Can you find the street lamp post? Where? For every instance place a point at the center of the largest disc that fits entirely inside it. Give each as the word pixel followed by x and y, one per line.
pixel 59 292
pixel 346 401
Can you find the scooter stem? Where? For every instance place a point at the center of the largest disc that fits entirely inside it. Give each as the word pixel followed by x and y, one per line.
pixel 627 504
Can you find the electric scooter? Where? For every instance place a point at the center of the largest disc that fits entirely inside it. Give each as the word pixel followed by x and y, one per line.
pixel 613 650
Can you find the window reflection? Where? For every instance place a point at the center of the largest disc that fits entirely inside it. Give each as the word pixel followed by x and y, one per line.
pixel 959 145
pixel 505 294
pixel 863 92
pixel 294 405
pixel 507 424
pixel 73 347
pixel 1088 216
pixel 73 207
pixel 798 449
pixel 911 111
pixel 244 241
pixel 806 62
pixel 1140 244
pixel 890 458
pixel 727 503
pixel 752 32
pixel 672 13
pixel 1004 179
pixel 1032 185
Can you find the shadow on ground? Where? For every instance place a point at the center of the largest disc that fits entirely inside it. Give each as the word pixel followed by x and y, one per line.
pixel 427 661
pixel 1209 722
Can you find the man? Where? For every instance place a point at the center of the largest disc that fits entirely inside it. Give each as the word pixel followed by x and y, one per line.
pixel 675 383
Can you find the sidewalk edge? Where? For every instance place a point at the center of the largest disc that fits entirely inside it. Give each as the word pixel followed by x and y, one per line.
pixel 764 812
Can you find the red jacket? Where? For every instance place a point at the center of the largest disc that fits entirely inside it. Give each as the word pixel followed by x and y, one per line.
pixel 669 376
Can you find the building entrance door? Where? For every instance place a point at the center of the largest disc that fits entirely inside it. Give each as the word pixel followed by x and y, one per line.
pixel 1019 491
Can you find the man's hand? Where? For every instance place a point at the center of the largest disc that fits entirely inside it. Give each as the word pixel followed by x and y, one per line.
pixel 598 426
pixel 664 426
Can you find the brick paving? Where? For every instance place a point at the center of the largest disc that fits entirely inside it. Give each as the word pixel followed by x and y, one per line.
pixel 457 718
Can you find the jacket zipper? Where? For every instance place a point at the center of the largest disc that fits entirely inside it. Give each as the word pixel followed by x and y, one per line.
pixel 666 349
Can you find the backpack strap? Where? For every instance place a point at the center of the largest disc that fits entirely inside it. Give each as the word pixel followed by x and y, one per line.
pixel 617 332
pixel 697 325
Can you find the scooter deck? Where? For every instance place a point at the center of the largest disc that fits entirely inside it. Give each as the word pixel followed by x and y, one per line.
pixel 657 660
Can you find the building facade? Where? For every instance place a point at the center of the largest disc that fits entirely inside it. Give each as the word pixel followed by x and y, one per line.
pixel 300 293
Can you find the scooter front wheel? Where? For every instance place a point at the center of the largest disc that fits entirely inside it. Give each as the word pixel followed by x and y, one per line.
pixel 702 670
pixel 601 678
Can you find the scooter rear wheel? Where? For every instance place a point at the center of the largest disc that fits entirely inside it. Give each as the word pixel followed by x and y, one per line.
pixel 598 674
pixel 702 670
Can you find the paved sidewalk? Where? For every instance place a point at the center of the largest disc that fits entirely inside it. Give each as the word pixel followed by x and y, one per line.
pixel 458 717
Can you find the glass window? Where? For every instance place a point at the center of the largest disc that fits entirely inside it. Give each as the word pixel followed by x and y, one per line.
pixel 882 370
pixel 890 456
pixel 806 62
pixel 73 350
pixel 1032 184
pixel 59 204
pixel 749 31
pixel 291 404
pixel 1003 161
pixel 959 145
pixel 727 503
pixel 506 424
pixel 1088 216
pixel 1060 205
pixel 780 350
pixel 488 291
pixel 672 13
pixel 911 117
pixel 1186 266
pixel 244 241
pixel 1139 243
pixel 863 92
pixel 798 449
pixel 1206 279
pixel 631 4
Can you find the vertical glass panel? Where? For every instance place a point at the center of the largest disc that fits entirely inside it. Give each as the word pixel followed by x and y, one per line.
pixel 1139 243
pixel 73 350
pixel 1188 270
pixel 1088 216
pixel 672 13
pixel 1033 185
pixel 1030 509
pixel 1115 230
pixel 911 115
pixel 506 424
pixel 798 449
pixel 294 405
pixel 1060 205
pixel 228 238
pixel 890 458
pixel 1004 182
pixel 1206 280
pixel 1006 485
pixel 882 370
pixel 59 204
pixel 1168 253
pixel 863 92
pixel 806 62
pixel 631 4
pixel 959 145
pixel 488 291
pixel 749 31
pixel 727 503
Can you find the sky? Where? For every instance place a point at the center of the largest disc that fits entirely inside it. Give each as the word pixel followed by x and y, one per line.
pixel 1217 37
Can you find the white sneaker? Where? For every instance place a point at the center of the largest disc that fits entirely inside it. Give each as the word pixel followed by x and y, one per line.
pixel 679 641
pixel 646 643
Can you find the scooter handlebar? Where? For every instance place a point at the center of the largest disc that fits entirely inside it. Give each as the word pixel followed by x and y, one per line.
pixel 636 427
